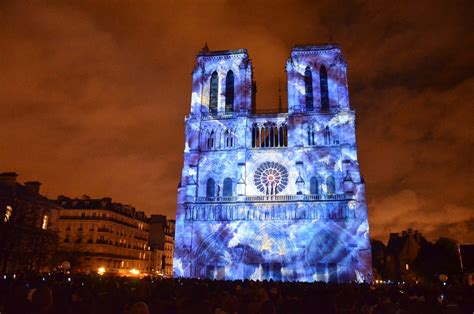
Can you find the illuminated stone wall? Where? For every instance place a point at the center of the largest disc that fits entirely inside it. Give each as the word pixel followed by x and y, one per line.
pixel 272 196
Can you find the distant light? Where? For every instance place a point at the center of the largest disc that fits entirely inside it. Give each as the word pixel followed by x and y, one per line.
pixel 14 276
pixel 69 279
pixel 5 277
pixel 8 213
pixel 101 270
pixel 44 279
pixel 134 271
pixel 44 225
pixel 444 283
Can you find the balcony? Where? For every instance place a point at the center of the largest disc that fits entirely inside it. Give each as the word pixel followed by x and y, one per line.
pixel 103 230
pixel 270 198
pixel 68 217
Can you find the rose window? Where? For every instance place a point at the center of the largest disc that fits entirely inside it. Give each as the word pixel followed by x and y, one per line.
pixel 271 178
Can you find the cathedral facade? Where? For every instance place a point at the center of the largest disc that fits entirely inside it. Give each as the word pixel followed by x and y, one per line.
pixel 271 195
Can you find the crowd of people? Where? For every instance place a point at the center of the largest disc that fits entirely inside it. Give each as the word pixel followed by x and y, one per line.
pixel 70 294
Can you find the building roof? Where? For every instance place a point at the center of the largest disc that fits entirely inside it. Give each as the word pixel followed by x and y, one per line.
pixel 313 47
pixel 105 203
pixel 222 52
pixel 24 192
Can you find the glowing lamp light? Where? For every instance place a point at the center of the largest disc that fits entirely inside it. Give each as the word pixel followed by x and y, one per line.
pixel 134 271
pixel 101 270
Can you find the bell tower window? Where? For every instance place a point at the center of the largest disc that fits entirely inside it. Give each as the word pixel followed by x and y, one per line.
pixel 323 80
pixel 214 90
pixel 308 84
pixel 229 92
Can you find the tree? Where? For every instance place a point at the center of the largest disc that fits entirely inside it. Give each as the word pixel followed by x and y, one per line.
pixel 378 258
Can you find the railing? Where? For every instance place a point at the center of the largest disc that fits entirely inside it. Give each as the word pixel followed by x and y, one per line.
pixel 220 115
pixel 103 229
pixel 255 111
pixel 99 218
pixel 271 198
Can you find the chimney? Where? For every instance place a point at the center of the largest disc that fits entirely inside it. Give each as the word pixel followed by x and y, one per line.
pixel 33 187
pixel 8 178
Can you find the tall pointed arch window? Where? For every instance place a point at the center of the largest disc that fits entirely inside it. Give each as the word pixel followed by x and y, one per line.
pixel 323 80
pixel 310 130
pixel 211 139
pixel 229 92
pixel 313 186
pixel 210 188
pixel 308 85
pixel 327 136
pixel 214 90
pixel 331 185
pixel 228 138
pixel 227 190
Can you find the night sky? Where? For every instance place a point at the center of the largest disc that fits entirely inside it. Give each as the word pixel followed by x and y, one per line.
pixel 93 95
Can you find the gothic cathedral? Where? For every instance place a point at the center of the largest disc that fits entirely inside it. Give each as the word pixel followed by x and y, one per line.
pixel 272 195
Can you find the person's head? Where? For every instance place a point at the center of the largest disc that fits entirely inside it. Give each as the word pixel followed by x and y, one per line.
pixel 139 308
pixel 470 279
pixel 42 299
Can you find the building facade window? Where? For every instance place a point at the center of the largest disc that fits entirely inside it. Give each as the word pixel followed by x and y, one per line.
pixel 214 93
pixel 331 185
pixel 210 188
pixel 313 186
pixel 229 92
pixel 269 134
pixel 228 139
pixel 323 80
pixel 227 189
pixel 211 139
pixel 311 135
pixel 327 136
pixel 308 84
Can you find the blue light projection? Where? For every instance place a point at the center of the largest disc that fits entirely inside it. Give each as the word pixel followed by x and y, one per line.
pixel 272 196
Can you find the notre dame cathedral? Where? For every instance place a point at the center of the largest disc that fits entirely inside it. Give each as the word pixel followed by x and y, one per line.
pixel 272 195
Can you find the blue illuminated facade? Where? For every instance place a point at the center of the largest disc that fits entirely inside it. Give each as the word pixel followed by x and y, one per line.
pixel 272 195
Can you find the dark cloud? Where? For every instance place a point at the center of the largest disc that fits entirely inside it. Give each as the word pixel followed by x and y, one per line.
pixel 94 93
